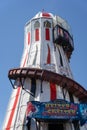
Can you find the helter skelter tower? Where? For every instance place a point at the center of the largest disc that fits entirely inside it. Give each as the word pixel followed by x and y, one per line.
pixel 45 95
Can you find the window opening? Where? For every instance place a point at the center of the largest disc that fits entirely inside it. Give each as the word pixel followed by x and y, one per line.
pixel 64 91
pixel 47 24
pixel 33 86
pixel 61 61
pixel 71 97
pixel 36 27
pixel 37 24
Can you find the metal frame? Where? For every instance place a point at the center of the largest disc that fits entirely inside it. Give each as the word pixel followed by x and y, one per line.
pixel 44 75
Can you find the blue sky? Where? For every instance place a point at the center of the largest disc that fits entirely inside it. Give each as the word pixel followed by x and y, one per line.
pixel 13 16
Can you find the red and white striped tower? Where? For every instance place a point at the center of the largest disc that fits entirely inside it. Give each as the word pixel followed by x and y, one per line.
pixel 44 75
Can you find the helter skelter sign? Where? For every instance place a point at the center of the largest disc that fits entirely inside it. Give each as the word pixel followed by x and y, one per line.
pixel 57 109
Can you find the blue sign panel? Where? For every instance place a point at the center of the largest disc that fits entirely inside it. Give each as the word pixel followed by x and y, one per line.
pixel 58 109
pixel 83 113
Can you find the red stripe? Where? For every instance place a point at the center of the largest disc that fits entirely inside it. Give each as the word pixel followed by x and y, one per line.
pixel 25 59
pixel 52 86
pixel 13 109
pixel 48 56
pixel 47 34
pixel 28 38
pixel 15 102
pixel 52 91
pixel 37 35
